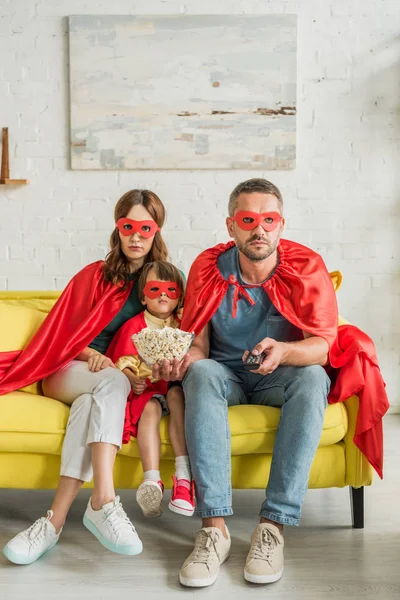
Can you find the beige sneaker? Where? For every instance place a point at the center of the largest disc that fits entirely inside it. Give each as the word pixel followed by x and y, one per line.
pixel 264 563
pixel 210 551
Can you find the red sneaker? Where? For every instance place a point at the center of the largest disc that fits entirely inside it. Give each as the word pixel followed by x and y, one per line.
pixel 182 497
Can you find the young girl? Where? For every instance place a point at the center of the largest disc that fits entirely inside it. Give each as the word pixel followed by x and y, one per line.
pixel 161 290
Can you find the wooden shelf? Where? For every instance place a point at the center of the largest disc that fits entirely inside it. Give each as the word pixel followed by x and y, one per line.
pixel 5 166
pixel 14 181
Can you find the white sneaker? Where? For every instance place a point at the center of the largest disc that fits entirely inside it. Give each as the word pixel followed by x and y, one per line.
pixel 149 496
pixel 211 549
pixel 31 544
pixel 113 528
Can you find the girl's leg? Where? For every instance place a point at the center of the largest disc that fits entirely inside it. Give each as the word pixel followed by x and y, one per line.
pixel 150 493
pixel 148 436
pixel 176 425
pixel 182 499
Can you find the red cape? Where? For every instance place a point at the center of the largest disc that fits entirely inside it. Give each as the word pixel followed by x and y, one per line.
pixel 302 291
pixel 122 345
pixel 85 307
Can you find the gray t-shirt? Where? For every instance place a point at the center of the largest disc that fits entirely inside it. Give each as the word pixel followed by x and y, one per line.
pixel 230 337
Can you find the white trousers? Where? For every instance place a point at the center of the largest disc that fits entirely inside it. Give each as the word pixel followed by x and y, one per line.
pixel 97 412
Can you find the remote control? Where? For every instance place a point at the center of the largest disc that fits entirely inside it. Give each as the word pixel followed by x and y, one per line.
pixel 253 361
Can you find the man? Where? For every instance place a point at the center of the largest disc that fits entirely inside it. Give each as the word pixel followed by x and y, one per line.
pixel 264 295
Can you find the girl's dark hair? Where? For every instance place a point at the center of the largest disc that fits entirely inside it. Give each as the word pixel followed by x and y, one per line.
pixel 116 265
pixel 165 271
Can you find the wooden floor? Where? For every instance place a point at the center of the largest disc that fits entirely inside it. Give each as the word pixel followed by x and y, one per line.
pixel 325 557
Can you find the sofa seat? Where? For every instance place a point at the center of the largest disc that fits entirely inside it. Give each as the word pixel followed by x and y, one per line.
pixel 41 425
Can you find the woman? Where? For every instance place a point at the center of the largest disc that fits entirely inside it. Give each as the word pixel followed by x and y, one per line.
pixel 68 353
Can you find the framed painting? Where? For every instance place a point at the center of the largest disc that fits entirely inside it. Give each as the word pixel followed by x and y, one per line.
pixel 183 92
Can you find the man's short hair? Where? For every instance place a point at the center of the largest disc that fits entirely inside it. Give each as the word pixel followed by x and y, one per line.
pixel 253 185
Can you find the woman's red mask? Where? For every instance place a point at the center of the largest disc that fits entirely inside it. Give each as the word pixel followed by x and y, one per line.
pixel 145 228
pixel 153 289
pixel 248 220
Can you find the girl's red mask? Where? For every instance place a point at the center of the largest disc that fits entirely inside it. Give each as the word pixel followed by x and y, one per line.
pixel 145 228
pixel 153 289
pixel 248 220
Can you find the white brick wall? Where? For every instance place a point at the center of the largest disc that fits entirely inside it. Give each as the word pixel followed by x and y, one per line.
pixel 342 199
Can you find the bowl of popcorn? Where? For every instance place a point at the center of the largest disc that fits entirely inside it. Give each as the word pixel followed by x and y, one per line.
pixel 156 345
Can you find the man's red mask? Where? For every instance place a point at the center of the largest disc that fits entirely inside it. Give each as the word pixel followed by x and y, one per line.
pixel 153 289
pixel 248 220
pixel 145 228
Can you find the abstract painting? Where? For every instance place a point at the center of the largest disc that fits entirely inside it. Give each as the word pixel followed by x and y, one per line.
pixel 183 92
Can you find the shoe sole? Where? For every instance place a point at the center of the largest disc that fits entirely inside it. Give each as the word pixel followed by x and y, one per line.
pixel 187 582
pixel 117 548
pixel 262 578
pixel 149 499
pixel 18 560
pixel 186 512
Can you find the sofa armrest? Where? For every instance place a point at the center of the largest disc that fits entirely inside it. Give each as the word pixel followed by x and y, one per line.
pixel 358 470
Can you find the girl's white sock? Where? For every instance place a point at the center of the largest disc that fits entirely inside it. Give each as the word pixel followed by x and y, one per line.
pixel 182 468
pixel 152 475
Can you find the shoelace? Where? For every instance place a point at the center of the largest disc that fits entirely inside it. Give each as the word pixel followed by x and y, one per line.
pixel 38 530
pixel 264 545
pixel 118 517
pixel 182 483
pixel 206 546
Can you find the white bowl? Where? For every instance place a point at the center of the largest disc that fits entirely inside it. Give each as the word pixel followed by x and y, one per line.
pixel 156 345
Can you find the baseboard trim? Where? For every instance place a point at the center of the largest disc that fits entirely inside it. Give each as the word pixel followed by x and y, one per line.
pixel 394 410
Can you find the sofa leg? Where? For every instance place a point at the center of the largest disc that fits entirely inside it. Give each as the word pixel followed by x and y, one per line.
pixel 357 507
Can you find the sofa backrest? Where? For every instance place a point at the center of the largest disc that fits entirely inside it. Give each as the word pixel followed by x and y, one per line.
pixel 41 301
pixel 22 313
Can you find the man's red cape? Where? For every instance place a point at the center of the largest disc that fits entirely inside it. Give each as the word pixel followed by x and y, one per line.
pixel 122 345
pixel 302 291
pixel 85 307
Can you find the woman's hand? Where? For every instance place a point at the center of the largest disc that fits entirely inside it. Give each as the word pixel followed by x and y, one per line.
pixel 138 384
pixel 97 362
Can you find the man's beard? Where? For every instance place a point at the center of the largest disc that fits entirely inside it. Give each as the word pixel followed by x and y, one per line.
pixel 253 254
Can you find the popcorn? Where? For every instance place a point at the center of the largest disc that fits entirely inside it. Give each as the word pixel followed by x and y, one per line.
pixel 156 345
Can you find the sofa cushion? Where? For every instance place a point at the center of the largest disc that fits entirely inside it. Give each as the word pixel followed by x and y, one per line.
pixel 42 301
pixel 33 423
pixel 17 325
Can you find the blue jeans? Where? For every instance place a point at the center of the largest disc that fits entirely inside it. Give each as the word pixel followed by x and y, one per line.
pixel 301 392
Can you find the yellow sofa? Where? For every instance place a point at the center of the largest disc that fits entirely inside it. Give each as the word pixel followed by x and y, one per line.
pixel 32 428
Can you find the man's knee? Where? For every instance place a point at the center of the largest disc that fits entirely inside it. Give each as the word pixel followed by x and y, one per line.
pixel 204 384
pixel 201 370
pixel 314 379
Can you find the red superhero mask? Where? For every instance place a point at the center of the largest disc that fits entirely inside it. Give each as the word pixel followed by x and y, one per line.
pixel 248 220
pixel 153 289
pixel 145 228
